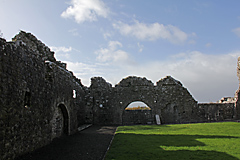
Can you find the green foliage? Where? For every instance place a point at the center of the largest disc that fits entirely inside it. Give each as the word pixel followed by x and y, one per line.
pixel 181 141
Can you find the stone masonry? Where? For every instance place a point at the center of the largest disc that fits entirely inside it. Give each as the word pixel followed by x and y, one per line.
pixel 36 103
pixel 168 98
pixel 237 95
pixel 41 100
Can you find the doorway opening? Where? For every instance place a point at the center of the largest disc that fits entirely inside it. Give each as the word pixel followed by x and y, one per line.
pixel 60 122
pixel 65 127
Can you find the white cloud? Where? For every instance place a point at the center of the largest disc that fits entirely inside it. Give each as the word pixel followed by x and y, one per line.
pixel 86 10
pixel 62 52
pixel 81 68
pixel 112 53
pixel 237 31
pixel 140 46
pixel 152 32
pixel 208 45
pixel 207 77
pixel 61 49
pixel 74 32
pixel 107 35
pixel 192 42
pixel 83 71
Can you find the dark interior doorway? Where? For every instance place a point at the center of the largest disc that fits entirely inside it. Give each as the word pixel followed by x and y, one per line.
pixel 65 128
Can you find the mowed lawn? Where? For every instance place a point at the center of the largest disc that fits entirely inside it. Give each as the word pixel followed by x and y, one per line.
pixel 206 141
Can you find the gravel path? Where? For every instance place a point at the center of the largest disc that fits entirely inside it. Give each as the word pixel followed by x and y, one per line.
pixel 89 144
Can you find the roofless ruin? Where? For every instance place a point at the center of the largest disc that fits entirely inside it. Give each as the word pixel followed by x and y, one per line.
pixel 41 100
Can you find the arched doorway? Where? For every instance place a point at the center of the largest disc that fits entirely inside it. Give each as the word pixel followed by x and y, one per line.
pixel 65 127
pixel 137 112
pixel 60 123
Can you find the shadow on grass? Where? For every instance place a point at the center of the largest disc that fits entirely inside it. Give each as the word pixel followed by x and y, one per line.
pixel 137 146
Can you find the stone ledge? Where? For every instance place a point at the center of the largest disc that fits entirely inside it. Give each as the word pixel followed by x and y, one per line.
pixel 84 126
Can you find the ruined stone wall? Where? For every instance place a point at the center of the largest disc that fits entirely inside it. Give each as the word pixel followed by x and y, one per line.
pixel 41 100
pixel 132 89
pixel 134 117
pixel 168 98
pixel 212 112
pixel 237 95
pixel 36 103
pixel 101 99
pixel 175 102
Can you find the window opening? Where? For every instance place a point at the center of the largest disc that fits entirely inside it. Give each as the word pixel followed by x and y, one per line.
pixel 74 94
pixel 27 99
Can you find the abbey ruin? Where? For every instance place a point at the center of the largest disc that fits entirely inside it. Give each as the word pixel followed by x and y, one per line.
pixel 41 100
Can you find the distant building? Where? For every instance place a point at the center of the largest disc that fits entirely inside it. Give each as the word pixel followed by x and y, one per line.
pixel 227 100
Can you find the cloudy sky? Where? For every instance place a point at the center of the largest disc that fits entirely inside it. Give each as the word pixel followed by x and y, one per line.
pixel 195 41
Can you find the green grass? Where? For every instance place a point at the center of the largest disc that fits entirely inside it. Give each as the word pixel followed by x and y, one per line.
pixel 204 141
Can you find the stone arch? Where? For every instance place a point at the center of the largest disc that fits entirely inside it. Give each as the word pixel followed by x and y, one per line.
pixel 137 116
pixel 65 114
pixel 60 121
pixel 141 101
pixel 168 99
pixel 131 94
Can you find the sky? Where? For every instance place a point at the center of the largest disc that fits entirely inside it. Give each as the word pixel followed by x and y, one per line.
pixel 195 41
pixel 137 104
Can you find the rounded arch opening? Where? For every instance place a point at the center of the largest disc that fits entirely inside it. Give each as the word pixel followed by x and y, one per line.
pixel 138 105
pixel 137 112
pixel 65 127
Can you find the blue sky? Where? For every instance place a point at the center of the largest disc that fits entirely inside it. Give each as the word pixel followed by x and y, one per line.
pixel 195 41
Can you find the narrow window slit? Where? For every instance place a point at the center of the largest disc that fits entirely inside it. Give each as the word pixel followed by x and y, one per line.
pixel 27 99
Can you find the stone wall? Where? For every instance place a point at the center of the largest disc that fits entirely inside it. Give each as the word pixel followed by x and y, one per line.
pixel 36 103
pixel 237 95
pixel 133 117
pixel 168 98
pixel 213 112
pixel 41 100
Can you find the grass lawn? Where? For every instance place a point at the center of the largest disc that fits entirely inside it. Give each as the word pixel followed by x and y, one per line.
pixel 206 141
